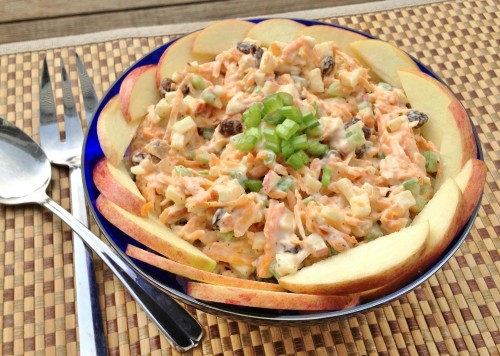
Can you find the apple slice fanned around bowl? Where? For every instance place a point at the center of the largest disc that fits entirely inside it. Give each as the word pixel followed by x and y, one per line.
pixel 369 271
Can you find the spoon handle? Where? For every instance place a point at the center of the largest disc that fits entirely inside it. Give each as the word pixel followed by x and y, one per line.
pixel 180 328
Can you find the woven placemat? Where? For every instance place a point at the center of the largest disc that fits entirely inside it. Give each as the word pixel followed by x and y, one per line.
pixel 455 312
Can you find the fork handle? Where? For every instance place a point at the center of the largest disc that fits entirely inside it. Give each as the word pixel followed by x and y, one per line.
pixel 90 328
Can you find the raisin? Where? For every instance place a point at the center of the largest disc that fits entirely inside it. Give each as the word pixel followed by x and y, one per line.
pixel 415 115
pixel 230 127
pixel 366 131
pixel 250 48
pixel 185 90
pixel 351 122
pixel 166 86
pixel 360 151
pixel 327 65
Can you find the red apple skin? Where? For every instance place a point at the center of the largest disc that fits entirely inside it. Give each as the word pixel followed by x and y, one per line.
pixel 472 190
pixel 195 273
pixel 113 190
pixel 117 216
pixel 127 87
pixel 268 299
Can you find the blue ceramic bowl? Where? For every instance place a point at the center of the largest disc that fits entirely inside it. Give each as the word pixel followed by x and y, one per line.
pixel 173 285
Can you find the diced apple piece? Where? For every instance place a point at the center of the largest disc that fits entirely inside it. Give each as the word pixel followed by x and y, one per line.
pixel 195 273
pixel 324 33
pixel 366 266
pixel 114 132
pixel 267 299
pixel 176 57
pixel 268 31
pixel 384 59
pixel 116 184
pixel 471 181
pixel 152 233
pixel 448 127
pixel 138 91
pixel 220 36
pixel 443 214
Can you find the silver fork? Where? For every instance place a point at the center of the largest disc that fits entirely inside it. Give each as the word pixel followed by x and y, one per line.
pixel 179 327
pixel 67 153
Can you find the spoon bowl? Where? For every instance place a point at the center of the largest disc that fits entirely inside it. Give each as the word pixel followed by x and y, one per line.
pixel 25 173
pixel 25 169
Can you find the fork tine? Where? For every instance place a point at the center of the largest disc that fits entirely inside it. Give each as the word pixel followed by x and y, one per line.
pixel 49 130
pixel 72 123
pixel 89 95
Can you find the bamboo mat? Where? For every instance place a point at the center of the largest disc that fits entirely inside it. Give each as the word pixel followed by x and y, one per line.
pixel 455 312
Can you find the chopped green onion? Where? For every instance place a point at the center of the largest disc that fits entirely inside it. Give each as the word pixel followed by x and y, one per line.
pixel 287 148
pixel 431 161
pixel 245 142
pixel 272 103
pixel 317 148
pixel 270 135
pixel 286 98
pixel 182 171
pixel 315 132
pixel 287 129
pixel 307 200
pixel 299 142
pixel 274 117
pixel 310 121
pixel 208 97
pixel 253 131
pixel 273 146
pixel 327 175
pixel 198 82
pixel 253 185
pixel 292 113
pixel 412 185
pixel 252 116
pixel 284 184
pixel 298 159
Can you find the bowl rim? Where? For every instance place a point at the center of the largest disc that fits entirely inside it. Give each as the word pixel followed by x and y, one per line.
pixel 254 315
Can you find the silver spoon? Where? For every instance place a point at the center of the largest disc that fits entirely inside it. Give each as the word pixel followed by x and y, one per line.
pixel 25 173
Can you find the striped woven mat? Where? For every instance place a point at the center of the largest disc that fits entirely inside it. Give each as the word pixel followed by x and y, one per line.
pixel 455 312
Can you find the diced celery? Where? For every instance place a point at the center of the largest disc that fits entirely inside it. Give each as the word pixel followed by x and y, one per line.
pixel 286 98
pixel 298 159
pixel 274 117
pixel 253 115
pixel 245 142
pixel 374 233
pixel 287 148
pixel 292 113
pixel 317 148
pixel 270 156
pixel 299 142
pixel 412 185
pixel 253 131
pixel 325 178
pixel 182 171
pixel 198 82
pixel 254 185
pixel 209 97
pixel 307 200
pixel 431 161
pixel 287 129
pixel 284 184
pixel 272 103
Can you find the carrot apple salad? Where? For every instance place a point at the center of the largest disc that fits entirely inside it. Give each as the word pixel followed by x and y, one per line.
pixel 271 159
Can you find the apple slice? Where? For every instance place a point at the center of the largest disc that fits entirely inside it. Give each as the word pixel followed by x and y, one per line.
pixel 114 132
pixel 195 273
pixel 384 59
pixel 152 233
pixel 323 33
pixel 116 184
pixel 268 31
pixel 471 181
pixel 177 55
pixel 137 91
pixel 267 299
pixel 220 36
pixel 443 212
pixel 448 127
pixel 366 266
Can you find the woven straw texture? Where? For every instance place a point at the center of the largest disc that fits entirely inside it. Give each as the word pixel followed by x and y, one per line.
pixel 455 312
